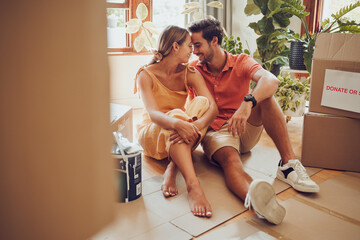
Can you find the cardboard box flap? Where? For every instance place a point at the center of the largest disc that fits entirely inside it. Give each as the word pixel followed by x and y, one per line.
pixel 332 47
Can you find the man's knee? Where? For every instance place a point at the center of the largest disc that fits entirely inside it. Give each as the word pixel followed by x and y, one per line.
pixel 227 157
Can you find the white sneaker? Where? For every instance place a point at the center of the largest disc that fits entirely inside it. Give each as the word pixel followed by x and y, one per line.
pixel 262 198
pixel 294 174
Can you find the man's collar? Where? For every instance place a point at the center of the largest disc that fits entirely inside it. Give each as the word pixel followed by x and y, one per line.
pixel 230 62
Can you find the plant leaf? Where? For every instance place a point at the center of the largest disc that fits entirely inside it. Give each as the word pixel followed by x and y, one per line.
pixel 350 28
pixel 265 25
pixel 282 19
pixel 262 4
pixel 345 10
pixel 191 4
pixel 150 43
pixel 190 10
pixel 274 4
pixel 151 27
pixel 251 8
pixel 139 42
pixel 133 25
pixel 197 16
pixel 215 4
pixel 255 26
pixel 141 11
pixel 210 16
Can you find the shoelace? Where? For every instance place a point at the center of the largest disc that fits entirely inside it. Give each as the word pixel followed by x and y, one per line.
pixel 301 170
pixel 247 202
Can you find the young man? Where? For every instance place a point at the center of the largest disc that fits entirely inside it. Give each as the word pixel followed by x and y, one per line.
pixel 242 117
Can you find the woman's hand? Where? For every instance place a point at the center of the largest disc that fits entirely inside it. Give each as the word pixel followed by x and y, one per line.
pixel 185 131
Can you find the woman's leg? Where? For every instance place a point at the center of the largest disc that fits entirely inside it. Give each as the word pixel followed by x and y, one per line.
pixel 181 155
pixel 168 186
pixel 196 108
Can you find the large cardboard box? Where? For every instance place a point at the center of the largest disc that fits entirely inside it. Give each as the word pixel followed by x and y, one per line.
pixel 337 51
pixel 331 141
pixel 121 117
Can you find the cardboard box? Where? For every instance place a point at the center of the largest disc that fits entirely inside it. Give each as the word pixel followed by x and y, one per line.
pixel 121 118
pixel 331 141
pixel 337 51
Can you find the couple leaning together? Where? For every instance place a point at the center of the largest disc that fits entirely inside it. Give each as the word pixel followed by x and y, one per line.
pixel 220 113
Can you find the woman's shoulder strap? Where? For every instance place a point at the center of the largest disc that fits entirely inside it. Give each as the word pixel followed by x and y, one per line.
pixel 136 77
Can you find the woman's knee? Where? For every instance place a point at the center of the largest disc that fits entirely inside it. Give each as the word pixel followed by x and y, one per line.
pixel 201 101
pixel 177 113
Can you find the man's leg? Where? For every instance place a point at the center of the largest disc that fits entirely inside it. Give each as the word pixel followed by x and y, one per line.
pixel 290 170
pixel 237 180
pixel 269 114
pixel 259 194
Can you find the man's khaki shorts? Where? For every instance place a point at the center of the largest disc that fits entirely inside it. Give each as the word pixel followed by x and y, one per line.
pixel 214 140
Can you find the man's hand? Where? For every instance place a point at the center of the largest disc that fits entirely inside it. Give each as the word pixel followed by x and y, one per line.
pixel 237 123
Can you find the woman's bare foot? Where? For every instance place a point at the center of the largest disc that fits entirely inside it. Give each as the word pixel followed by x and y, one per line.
pixel 198 203
pixel 168 186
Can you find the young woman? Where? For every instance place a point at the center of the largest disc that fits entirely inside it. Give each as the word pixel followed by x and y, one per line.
pixel 169 129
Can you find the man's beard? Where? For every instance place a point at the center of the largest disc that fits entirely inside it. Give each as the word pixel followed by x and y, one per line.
pixel 208 58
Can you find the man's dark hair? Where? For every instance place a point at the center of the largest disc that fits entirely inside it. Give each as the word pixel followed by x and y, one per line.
pixel 210 28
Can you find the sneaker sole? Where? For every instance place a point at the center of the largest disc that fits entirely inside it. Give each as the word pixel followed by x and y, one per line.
pixel 298 188
pixel 263 200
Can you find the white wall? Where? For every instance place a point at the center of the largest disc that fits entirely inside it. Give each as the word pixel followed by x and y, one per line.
pixel 123 70
pixel 240 24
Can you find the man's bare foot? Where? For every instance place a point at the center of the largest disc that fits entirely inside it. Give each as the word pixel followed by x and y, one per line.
pixel 198 203
pixel 168 186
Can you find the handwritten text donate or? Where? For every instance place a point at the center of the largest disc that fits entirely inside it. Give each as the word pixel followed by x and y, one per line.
pixel 341 90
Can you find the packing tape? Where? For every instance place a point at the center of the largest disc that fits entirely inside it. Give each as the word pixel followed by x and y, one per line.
pixel 253 222
pixel 327 210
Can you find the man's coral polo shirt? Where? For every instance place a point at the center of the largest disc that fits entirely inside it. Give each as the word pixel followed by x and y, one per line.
pixel 231 86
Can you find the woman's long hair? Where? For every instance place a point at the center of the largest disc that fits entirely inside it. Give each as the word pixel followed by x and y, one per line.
pixel 170 35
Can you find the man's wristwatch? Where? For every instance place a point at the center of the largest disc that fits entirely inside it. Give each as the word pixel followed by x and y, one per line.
pixel 251 98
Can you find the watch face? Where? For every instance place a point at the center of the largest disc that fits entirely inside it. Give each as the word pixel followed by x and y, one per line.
pixel 248 97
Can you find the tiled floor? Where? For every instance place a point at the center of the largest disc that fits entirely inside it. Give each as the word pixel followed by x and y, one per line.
pixel 331 214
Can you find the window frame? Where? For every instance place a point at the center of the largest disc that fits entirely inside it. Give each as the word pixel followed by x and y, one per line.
pixel 131 5
pixel 314 7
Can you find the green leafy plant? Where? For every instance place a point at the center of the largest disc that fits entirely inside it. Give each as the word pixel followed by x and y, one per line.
pixel 272 28
pixel 336 24
pixel 145 38
pixel 290 91
pixel 233 45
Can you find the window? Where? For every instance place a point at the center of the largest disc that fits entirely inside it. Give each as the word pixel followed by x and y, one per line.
pixel 118 13
pixel 322 9
pixel 332 6
pixel 168 13
pixel 161 12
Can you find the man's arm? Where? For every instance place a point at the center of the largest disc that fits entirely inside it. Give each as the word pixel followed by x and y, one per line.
pixel 197 82
pixel 266 87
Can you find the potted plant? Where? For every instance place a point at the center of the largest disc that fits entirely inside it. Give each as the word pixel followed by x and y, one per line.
pixel 233 45
pixel 336 24
pixel 292 95
pixel 272 28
